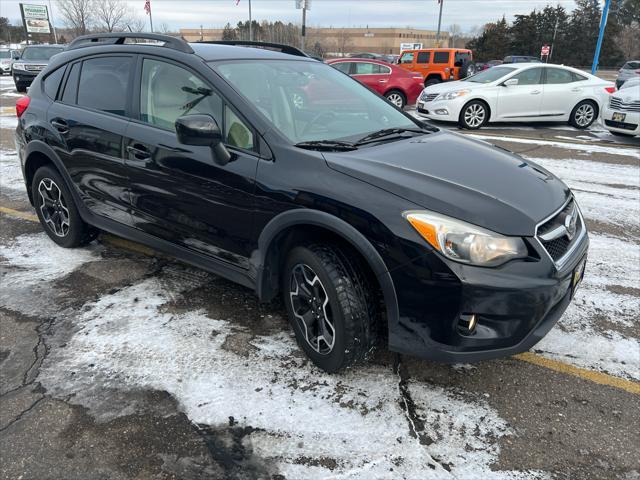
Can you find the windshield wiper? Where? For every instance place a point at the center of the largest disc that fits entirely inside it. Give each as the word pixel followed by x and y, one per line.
pixel 327 145
pixel 389 131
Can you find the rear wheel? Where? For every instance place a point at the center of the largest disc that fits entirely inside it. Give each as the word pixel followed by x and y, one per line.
pixel 397 98
pixel 329 305
pixel 56 210
pixel 473 115
pixel 583 114
pixel 468 68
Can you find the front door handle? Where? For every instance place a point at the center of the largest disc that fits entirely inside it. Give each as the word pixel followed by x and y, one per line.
pixel 138 152
pixel 60 125
pixel 576 89
pixel 535 92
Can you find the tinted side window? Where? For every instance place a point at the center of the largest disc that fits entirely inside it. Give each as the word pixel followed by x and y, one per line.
pixel 365 68
pixel 406 57
pixel 103 84
pixel 533 76
pixel 557 75
pixel 460 58
pixel 440 57
pixel 342 66
pixel 168 92
pixel 52 82
pixel 577 77
pixel 423 57
pixel 71 86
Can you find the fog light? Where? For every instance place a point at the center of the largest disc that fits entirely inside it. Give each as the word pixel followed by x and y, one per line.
pixel 467 324
pixel 442 111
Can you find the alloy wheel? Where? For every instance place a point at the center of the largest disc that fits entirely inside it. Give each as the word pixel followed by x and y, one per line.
pixel 53 207
pixel 474 115
pixel 584 114
pixel 396 99
pixel 311 308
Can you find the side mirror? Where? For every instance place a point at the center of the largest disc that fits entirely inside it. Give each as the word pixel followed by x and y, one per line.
pixel 202 131
pixel 511 82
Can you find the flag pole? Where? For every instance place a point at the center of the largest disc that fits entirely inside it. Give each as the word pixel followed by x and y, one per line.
pixel 441 2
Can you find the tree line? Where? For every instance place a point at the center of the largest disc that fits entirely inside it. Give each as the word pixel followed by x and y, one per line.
pixel 575 34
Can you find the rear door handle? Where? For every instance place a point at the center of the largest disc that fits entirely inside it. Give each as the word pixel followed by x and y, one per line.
pixel 577 89
pixel 535 92
pixel 60 125
pixel 138 152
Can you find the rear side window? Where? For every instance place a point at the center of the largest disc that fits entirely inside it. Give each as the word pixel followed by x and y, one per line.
pixel 52 82
pixel 423 57
pixel 460 58
pixel 103 84
pixel 406 57
pixel 365 68
pixel 532 76
pixel 71 85
pixel 557 76
pixel 440 57
pixel 344 67
pixel 577 77
pixel 168 92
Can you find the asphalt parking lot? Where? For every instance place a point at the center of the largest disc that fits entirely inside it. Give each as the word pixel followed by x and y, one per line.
pixel 117 363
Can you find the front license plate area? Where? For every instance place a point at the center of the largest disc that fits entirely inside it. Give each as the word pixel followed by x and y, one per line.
pixel 619 117
pixel 577 276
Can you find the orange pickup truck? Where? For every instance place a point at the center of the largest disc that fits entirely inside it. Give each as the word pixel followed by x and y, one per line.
pixel 438 64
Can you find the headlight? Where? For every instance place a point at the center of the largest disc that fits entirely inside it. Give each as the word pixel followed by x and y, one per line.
pixel 452 95
pixel 19 66
pixel 463 242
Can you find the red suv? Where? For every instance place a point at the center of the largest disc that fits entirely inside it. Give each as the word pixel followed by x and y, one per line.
pixel 399 86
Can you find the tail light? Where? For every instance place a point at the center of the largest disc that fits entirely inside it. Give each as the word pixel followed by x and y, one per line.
pixel 21 105
pixel 610 89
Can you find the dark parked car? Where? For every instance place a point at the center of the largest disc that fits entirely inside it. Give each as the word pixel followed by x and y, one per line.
pixel 371 225
pixel 521 59
pixel 375 56
pixel 33 60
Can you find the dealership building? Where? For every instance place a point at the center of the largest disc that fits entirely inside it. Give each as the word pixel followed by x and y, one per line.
pixel 347 40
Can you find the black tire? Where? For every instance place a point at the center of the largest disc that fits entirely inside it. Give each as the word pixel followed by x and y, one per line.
pixel 432 81
pixel 397 98
pixel 473 115
pixel 580 117
pixel 77 233
pixel 21 87
pixel 351 306
pixel 467 69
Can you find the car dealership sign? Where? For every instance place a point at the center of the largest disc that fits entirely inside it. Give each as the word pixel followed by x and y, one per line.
pixel 35 18
pixel 410 46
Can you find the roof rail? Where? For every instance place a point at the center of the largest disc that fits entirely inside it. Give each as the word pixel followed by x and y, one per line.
pixel 119 38
pixel 288 49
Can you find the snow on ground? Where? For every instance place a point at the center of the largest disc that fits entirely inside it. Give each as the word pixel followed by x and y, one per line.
pixel 129 339
pixel 583 147
pixel 8 120
pixel 11 181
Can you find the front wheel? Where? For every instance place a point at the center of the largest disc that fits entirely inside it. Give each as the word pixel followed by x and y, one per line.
pixel 397 98
pixel 21 87
pixel 473 115
pixel 329 305
pixel 583 114
pixel 56 210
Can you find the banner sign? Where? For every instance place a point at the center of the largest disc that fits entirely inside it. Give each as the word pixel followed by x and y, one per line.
pixel 35 18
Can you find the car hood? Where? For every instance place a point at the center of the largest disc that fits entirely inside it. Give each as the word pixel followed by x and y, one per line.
pixel 466 179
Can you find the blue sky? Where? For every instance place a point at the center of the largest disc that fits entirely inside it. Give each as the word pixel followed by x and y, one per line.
pixel 374 13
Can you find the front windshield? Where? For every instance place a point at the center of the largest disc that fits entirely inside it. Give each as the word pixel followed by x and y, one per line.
pixel 490 75
pixel 310 101
pixel 5 54
pixel 40 53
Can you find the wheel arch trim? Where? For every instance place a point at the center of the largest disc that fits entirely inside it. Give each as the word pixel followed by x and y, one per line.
pixel 317 218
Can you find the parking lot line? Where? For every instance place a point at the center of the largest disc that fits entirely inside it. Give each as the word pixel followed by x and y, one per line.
pixel 529 357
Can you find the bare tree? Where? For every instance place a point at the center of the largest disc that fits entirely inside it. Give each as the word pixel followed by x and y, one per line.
pixel 454 34
pixel 111 15
pixel 136 24
pixel 78 14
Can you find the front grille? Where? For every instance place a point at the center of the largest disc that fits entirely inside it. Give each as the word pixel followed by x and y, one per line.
pixel 554 236
pixel 34 68
pixel 617 103
pixel 429 97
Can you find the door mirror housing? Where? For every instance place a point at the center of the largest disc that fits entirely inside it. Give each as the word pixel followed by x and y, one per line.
pixel 202 131
pixel 511 82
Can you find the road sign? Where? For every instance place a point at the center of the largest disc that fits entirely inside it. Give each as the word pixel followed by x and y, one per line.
pixel 545 50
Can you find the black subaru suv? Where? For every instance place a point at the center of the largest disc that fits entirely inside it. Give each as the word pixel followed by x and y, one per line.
pixel 370 224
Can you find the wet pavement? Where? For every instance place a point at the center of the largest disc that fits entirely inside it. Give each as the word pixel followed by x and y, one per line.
pixel 117 363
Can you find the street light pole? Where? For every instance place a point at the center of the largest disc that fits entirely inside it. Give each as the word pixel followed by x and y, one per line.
pixel 304 24
pixel 441 2
pixel 55 34
pixel 250 24
pixel 603 24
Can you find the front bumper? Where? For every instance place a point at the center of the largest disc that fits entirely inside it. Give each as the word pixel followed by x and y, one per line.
pixel 630 125
pixel 24 77
pixel 446 111
pixel 6 68
pixel 515 305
